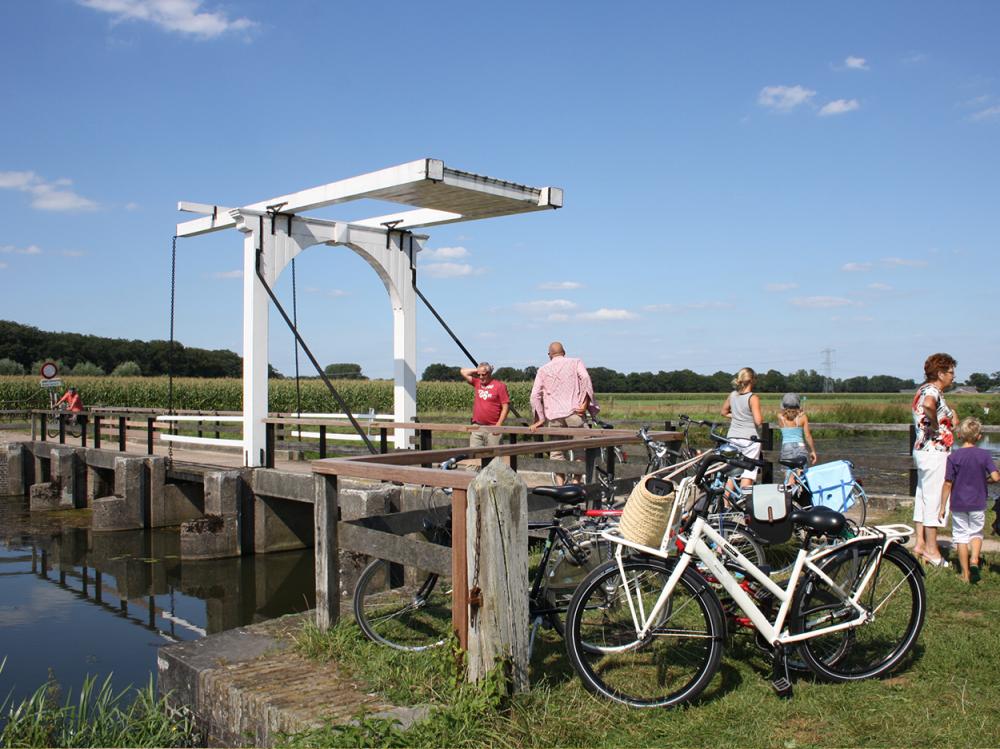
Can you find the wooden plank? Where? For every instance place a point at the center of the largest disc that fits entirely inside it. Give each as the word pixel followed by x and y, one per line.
pixel 402 474
pixel 325 511
pixel 410 552
pixel 398 523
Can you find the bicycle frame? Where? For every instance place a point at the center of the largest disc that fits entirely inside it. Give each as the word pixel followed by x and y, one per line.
pixel 695 546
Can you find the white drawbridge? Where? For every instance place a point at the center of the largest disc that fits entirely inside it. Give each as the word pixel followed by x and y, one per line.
pixel 275 232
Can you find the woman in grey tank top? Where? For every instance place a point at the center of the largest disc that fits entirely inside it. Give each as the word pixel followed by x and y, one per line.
pixel 743 408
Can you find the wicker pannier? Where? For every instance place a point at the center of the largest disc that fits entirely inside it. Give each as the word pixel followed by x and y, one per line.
pixel 644 519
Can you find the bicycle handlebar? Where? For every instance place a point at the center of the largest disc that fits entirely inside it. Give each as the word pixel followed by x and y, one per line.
pixel 452 462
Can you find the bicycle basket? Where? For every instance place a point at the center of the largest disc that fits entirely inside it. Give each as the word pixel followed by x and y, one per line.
pixel 647 511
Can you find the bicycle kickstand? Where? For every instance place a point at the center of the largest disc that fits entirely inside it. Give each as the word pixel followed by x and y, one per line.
pixel 780 681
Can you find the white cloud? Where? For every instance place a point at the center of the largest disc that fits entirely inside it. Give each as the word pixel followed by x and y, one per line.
pixel 131 206
pixel 902 262
pixel 855 267
pixel 665 307
pixel 444 253
pixel 46 196
pixel 451 270
pixel 879 287
pixel 9 249
pixel 821 302
pixel 839 106
pixel 784 98
pixel 228 274
pixel 781 286
pixel 181 16
pixel 543 306
pixel 856 63
pixel 336 293
pixel 988 114
pixel 560 285
pixel 557 317
pixel 604 314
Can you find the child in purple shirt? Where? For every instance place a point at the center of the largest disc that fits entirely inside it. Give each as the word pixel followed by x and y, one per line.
pixel 965 479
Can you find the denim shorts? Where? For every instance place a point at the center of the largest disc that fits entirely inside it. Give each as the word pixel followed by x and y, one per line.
pixel 794 450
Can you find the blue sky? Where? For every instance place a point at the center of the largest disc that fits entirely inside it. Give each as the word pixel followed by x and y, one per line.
pixel 745 184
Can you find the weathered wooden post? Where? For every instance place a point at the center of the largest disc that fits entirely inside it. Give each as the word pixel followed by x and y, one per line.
pixel 497 572
pixel 325 513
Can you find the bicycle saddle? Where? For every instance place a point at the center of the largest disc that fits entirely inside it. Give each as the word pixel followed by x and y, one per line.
pixel 820 519
pixel 567 494
pixel 799 461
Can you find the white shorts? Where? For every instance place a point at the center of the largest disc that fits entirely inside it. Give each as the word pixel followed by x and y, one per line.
pixel 966 526
pixel 930 479
pixel 751 450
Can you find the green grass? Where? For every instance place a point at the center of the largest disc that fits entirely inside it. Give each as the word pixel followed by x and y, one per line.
pixel 945 696
pixel 99 716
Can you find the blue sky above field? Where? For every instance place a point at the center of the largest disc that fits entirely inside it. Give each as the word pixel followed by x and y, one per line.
pixel 745 185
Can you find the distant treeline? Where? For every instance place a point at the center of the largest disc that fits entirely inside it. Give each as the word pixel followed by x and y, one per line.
pixel 685 381
pixel 27 346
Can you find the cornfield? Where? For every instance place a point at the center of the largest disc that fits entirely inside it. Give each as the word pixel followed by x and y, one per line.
pixel 227 394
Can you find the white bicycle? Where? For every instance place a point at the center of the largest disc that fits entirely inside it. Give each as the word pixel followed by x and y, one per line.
pixel 647 628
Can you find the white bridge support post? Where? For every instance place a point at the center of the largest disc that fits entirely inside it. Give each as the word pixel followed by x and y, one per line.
pixel 404 339
pixel 255 310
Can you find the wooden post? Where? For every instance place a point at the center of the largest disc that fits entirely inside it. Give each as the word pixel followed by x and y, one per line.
pixel 513 458
pixel 268 445
pixel 44 435
pixel 150 432
pixel 97 431
pixel 322 440
pixel 383 440
pixel 82 421
pixel 122 430
pixel 496 528
pixel 325 514
pixel 913 469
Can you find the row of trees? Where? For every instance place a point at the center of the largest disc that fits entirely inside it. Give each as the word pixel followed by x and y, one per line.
pixel 686 381
pixel 26 345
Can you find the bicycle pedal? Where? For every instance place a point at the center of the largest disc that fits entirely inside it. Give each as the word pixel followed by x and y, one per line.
pixel 782 687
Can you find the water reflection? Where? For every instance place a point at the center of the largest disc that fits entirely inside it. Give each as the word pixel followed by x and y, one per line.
pixel 78 602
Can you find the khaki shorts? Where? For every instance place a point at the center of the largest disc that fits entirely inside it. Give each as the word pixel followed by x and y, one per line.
pixel 482 437
pixel 573 420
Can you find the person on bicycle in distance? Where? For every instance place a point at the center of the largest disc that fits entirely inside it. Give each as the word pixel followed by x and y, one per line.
pixel 796 438
pixel 73 401
pixel 742 406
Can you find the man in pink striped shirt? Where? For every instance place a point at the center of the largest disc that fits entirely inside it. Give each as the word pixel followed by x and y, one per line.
pixel 561 395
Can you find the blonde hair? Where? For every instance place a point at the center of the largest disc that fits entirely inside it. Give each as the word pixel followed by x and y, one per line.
pixel 791 414
pixel 970 429
pixel 745 378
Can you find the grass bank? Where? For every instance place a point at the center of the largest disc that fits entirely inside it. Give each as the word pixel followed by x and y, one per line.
pixel 98 716
pixel 945 696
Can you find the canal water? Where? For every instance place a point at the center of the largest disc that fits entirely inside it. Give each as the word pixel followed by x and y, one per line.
pixel 74 602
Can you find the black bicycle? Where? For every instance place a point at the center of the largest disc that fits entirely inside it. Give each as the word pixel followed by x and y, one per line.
pixel 411 610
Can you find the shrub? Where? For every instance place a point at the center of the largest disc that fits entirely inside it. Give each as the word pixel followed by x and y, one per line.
pixel 127 369
pixel 86 369
pixel 10 367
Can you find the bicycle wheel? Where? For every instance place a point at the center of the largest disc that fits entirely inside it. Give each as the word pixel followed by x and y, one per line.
pixel 401 615
pixel 740 538
pixel 671 665
pixel 52 425
pixel 566 572
pixel 858 511
pixel 894 597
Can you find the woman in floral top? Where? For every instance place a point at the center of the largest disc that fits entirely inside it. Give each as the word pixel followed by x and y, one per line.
pixel 934 422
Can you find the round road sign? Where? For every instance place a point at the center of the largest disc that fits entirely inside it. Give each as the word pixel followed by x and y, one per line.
pixel 49 370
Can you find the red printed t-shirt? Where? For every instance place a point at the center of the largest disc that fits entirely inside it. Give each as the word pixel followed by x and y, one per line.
pixel 489 401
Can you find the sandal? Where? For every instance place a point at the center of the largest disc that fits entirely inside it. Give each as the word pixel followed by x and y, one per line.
pixel 939 562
